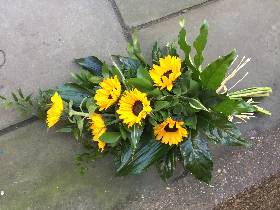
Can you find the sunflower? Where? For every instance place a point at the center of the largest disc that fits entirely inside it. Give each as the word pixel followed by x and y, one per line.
pixel 170 131
pixel 134 106
pixel 55 112
pixel 109 93
pixel 167 72
pixel 98 128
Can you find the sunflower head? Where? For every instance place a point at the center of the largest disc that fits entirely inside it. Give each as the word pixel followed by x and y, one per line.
pixel 98 128
pixel 55 112
pixel 168 70
pixel 109 93
pixel 134 106
pixel 170 132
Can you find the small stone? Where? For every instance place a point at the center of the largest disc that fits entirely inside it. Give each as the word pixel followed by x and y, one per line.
pixel 219 171
pixel 168 188
pixel 2 192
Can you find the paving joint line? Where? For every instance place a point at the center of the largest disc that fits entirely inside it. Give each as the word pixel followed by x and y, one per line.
pixel 125 28
pixel 171 15
pixel 18 125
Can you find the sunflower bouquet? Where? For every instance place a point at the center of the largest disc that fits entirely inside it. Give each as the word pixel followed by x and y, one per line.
pixel 160 114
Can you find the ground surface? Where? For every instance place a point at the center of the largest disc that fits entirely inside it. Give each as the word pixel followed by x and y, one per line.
pixel 40 39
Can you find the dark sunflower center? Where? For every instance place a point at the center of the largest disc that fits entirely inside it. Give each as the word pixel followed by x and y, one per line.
pixel 167 73
pixel 137 107
pixel 110 96
pixel 168 129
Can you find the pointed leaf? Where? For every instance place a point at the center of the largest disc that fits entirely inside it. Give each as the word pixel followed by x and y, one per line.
pixel 196 104
pixel 141 84
pixel 197 158
pixel 215 72
pixel 200 43
pixel 135 136
pixel 110 137
pixel 156 54
pixel 92 64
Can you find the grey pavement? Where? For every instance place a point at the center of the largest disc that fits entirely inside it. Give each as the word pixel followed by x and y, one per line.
pixel 41 39
pixel 37 168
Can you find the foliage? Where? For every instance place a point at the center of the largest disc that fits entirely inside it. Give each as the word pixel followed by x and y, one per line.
pixel 194 100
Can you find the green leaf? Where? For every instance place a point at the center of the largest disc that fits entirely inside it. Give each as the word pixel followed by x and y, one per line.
pixel 105 70
pixel 156 53
pixel 71 91
pixel 64 130
pixel 217 129
pixel 111 137
pixel 135 136
pixel 143 73
pixel 80 124
pixel 196 104
pixel 2 97
pixel 171 47
pixel 182 41
pixel 191 121
pixel 158 105
pixel 140 83
pixel 143 157
pixel 231 106
pixel 197 158
pixel 92 64
pixel 91 106
pixel 200 43
pixel 167 165
pixel 134 46
pixel 214 73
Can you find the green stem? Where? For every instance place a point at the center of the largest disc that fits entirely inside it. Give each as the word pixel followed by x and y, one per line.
pixel 72 112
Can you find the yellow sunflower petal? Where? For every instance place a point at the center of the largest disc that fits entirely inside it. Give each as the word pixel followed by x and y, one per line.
pixel 98 128
pixel 109 93
pixel 170 132
pixel 55 112
pixel 133 107
pixel 167 72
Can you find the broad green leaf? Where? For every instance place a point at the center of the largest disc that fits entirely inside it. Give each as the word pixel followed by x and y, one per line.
pixel 128 66
pixel 70 91
pixel 226 107
pixel 200 43
pixel 140 83
pixel 231 106
pixel 197 158
pixel 191 121
pixel 214 73
pixel 161 105
pixel 143 73
pixel 156 54
pixel 135 136
pixel 144 157
pixel 92 64
pixel 110 137
pixel 217 129
pixel 155 93
pixel 167 165
pixel 196 104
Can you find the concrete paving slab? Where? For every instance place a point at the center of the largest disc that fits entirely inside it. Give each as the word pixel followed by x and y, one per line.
pixel 41 38
pixel 136 12
pixel 38 172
